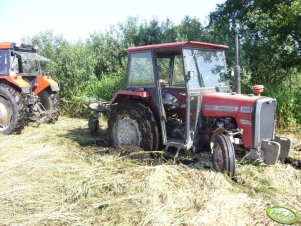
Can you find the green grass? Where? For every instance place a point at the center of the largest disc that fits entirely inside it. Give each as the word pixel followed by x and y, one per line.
pixel 105 87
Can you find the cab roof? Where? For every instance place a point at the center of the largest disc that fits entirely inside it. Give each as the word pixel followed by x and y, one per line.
pixel 18 47
pixel 6 45
pixel 177 46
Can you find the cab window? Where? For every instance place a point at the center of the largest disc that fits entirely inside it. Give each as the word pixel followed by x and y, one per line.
pixel 170 70
pixel 4 62
pixel 141 70
pixel 178 77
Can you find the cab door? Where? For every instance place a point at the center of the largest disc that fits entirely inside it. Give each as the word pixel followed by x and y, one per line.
pixel 143 73
pixel 193 94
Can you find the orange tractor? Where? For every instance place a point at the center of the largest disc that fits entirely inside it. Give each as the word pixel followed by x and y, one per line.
pixel 26 94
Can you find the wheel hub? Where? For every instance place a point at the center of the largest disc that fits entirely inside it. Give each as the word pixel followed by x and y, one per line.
pixel 127 132
pixel 6 112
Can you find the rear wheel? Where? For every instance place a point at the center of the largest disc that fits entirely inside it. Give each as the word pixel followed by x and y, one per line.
pixel 51 103
pixel 133 123
pixel 13 115
pixel 223 155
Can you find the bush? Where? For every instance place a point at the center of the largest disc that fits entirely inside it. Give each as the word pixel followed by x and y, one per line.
pixel 105 87
pixel 288 105
pixel 288 95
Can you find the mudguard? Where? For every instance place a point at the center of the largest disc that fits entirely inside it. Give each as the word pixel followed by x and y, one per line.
pixel 44 82
pixel 129 94
pixel 18 82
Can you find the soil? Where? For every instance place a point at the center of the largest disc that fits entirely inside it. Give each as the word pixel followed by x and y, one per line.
pixel 293 162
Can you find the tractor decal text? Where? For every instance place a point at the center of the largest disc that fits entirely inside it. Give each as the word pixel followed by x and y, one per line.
pixel 246 109
pixel 245 122
pixel 220 108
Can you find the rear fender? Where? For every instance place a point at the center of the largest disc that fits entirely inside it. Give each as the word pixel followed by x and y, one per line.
pixel 44 82
pixel 17 82
pixel 126 94
pixel 142 96
pixel 122 95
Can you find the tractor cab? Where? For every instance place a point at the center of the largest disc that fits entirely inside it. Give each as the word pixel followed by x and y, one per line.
pixel 25 61
pixel 176 75
pixel 20 60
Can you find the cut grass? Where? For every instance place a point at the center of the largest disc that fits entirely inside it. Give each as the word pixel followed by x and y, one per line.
pixel 58 174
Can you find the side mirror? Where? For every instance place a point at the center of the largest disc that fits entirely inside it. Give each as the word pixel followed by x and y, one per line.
pixel 189 75
pixel 229 75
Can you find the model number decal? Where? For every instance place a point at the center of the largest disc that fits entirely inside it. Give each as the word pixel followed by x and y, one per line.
pixel 245 109
pixel 245 122
pixel 220 108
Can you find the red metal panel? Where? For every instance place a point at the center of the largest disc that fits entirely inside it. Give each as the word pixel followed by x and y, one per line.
pixel 128 93
pixel 177 45
pixel 237 106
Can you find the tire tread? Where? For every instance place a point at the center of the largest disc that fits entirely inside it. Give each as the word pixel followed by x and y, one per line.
pixel 21 116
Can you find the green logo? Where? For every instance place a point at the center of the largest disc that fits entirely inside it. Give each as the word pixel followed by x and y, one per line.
pixel 282 215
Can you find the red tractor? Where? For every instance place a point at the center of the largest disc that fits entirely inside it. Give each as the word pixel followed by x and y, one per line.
pixel 25 93
pixel 178 95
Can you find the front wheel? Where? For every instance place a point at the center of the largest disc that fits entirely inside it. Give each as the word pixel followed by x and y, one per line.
pixel 223 155
pixel 133 123
pixel 51 102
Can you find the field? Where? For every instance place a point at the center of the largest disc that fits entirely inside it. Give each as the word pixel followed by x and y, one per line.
pixel 59 175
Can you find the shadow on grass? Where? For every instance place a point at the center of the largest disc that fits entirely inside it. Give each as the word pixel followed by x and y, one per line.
pixel 83 137
pixel 100 140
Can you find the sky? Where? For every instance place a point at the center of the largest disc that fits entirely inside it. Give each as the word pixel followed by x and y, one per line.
pixel 76 19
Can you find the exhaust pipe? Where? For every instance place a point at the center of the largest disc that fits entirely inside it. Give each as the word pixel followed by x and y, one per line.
pixel 237 68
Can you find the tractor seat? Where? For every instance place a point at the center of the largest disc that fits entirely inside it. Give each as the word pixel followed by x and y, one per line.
pixel 171 102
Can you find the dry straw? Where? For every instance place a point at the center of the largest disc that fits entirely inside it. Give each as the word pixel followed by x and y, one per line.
pixel 59 175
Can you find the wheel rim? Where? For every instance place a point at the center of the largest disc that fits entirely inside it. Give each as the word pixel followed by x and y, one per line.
pixel 6 113
pixel 219 157
pixel 126 132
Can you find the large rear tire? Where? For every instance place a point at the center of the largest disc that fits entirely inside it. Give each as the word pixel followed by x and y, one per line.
pixel 13 114
pixel 51 102
pixel 223 155
pixel 133 123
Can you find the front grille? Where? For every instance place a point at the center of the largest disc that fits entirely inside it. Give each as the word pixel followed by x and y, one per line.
pixel 264 120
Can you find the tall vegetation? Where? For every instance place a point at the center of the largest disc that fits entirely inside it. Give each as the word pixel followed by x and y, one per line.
pixel 269 35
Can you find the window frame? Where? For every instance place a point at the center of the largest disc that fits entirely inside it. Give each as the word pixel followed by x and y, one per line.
pixel 128 75
pixel 8 62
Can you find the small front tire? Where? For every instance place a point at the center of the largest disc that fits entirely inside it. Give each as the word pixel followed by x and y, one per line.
pixel 223 155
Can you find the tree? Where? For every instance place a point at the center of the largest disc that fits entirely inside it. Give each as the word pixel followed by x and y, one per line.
pixel 268 32
pixel 109 53
pixel 270 35
pixel 191 29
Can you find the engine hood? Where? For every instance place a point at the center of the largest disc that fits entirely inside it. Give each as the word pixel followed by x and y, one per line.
pixel 255 115
pixel 217 104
